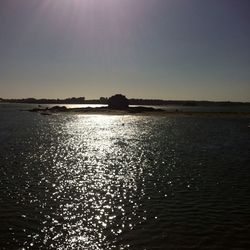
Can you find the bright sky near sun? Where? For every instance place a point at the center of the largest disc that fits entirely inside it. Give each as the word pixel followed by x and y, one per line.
pixel 168 49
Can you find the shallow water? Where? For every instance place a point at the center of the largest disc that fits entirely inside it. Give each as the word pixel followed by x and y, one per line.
pixel 123 182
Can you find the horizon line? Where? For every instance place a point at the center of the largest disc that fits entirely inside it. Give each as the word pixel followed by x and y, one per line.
pixel 133 98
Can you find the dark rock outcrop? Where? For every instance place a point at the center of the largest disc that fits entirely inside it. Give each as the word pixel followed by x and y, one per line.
pixel 58 109
pixel 119 102
pixel 54 109
pixel 143 110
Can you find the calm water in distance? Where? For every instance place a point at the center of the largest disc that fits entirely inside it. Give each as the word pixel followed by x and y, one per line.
pixel 96 182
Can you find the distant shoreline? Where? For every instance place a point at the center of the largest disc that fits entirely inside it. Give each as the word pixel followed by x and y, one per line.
pixel 138 111
pixel 104 101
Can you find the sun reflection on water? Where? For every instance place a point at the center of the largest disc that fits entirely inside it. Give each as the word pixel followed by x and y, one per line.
pixel 95 176
pixel 106 182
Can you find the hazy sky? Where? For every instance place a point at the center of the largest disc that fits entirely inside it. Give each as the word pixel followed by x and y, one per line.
pixel 170 49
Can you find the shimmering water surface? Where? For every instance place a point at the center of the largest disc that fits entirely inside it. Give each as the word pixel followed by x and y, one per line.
pixel 71 181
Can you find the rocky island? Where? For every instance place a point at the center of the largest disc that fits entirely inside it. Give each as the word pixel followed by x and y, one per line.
pixel 117 104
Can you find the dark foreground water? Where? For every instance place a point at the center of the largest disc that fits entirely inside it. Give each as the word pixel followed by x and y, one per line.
pixel 123 182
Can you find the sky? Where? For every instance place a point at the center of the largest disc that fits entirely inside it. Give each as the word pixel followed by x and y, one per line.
pixel 160 49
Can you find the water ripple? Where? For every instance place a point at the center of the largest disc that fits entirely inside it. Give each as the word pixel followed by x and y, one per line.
pixel 125 182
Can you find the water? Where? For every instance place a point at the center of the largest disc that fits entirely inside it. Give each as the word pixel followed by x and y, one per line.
pixel 71 181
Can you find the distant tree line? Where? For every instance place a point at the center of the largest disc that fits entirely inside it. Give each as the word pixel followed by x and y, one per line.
pixel 159 102
pixel 101 100
pixel 73 100
pixel 104 100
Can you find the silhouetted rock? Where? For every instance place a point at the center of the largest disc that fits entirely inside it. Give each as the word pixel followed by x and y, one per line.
pixel 54 109
pixel 143 110
pixel 58 109
pixel 119 102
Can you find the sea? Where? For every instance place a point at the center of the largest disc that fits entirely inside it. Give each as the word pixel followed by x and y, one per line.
pixel 99 182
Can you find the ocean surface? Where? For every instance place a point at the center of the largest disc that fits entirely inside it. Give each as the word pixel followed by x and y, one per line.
pixel 97 182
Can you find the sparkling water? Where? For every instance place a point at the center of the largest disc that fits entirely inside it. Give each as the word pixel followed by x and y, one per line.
pixel 70 181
